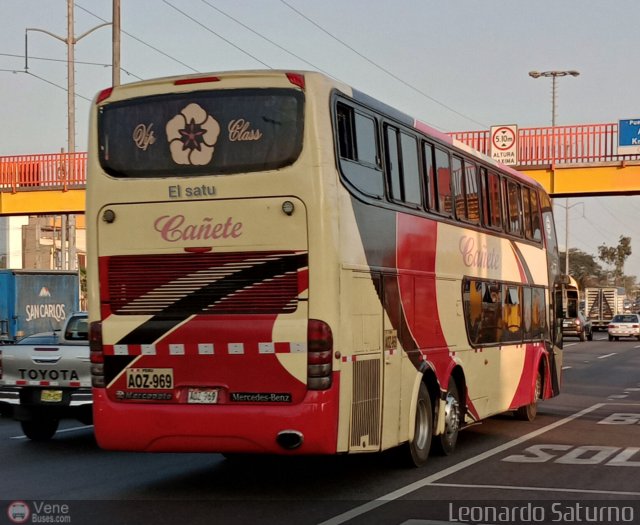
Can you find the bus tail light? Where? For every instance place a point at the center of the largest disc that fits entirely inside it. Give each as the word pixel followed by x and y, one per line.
pixel 196 80
pixel 296 79
pixel 319 355
pixel 104 95
pixel 97 354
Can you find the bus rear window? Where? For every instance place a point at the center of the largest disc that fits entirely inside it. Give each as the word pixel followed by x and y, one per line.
pixel 215 132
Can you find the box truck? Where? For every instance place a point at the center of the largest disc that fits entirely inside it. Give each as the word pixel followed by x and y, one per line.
pixel 33 301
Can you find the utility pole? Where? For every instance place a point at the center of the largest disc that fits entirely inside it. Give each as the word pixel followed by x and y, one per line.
pixel 554 75
pixel 115 43
pixel 70 40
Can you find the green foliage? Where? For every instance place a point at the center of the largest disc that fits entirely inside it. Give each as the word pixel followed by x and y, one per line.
pixel 616 256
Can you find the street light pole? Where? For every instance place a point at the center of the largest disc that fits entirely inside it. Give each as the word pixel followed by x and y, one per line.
pixel 554 75
pixel 70 40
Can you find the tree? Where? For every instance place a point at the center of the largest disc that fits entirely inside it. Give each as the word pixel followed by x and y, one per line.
pixel 583 267
pixel 616 256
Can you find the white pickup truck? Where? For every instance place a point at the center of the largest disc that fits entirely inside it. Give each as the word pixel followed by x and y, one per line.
pixel 46 377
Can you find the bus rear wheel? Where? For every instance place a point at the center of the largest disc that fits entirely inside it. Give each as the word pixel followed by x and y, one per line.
pixel 445 443
pixel 530 411
pixel 417 450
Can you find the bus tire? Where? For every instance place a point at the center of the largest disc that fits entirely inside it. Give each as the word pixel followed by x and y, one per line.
pixel 416 452
pixel 40 429
pixel 530 411
pixel 445 443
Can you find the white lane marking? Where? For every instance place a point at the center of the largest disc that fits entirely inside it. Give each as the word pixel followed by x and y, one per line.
pixel 73 429
pixel 412 487
pixel 607 355
pixel 539 489
pixel 565 345
pixel 566 367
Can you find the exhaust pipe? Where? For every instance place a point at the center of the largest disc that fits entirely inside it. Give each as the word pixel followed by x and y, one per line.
pixel 289 439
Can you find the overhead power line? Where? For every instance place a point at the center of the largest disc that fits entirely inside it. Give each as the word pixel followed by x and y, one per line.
pixel 266 38
pixel 54 84
pixel 141 41
pixel 381 68
pixel 77 62
pixel 217 34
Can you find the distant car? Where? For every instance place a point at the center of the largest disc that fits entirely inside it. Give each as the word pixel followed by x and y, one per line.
pixel 624 325
pixel 578 326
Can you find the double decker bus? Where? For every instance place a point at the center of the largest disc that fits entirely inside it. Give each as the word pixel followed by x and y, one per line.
pixel 279 263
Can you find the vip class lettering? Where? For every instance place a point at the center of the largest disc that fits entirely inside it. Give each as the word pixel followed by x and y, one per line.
pixel 173 228
pixel 240 131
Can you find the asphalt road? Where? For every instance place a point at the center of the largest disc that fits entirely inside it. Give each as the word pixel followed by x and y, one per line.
pixel 581 455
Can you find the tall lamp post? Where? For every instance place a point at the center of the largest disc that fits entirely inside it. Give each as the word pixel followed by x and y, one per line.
pixel 554 75
pixel 70 40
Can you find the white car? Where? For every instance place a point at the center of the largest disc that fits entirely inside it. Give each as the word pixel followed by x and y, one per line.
pixel 624 325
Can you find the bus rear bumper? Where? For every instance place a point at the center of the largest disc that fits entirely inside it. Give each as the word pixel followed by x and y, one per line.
pixel 228 429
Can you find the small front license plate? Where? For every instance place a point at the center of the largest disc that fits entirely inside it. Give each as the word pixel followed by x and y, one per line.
pixel 150 378
pixel 51 396
pixel 202 396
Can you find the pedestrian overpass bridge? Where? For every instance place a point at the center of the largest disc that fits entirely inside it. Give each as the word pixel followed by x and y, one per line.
pixel 580 160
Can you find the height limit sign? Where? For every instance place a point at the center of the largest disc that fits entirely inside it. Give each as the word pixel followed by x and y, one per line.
pixel 504 144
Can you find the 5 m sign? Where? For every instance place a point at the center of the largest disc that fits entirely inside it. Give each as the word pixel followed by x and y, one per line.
pixel 504 144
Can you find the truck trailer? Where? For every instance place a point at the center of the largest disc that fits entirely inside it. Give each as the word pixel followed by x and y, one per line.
pixel 33 301
pixel 602 303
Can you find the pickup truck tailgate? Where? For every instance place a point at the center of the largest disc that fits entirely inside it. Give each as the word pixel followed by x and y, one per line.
pixel 45 365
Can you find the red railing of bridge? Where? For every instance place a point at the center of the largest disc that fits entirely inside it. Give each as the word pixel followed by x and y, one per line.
pixel 585 143
pixel 582 143
pixel 59 171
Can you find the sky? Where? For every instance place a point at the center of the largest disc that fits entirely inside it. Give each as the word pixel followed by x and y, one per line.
pixel 458 65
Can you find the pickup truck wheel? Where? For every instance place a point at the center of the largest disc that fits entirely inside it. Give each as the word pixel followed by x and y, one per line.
pixel 40 429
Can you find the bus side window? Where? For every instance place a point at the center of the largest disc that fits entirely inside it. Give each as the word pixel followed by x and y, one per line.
pixel 393 163
pixel 495 201
pixel 402 167
pixel 538 313
pixel 429 176
pixel 472 192
pixel 514 207
pixel 457 183
pixel 526 206
pixel 443 176
pixel 526 313
pixel 491 328
pixel 472 295
pixel 346 139
pixel 511 313
pixel 536 221
pixel 358 150
pixel 410 169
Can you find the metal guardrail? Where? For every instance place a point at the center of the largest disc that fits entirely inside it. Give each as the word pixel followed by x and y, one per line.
pixel 583 143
